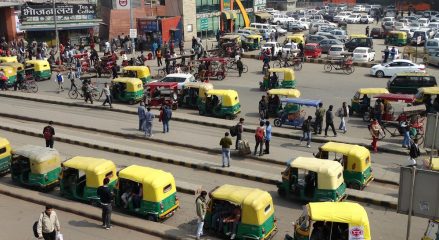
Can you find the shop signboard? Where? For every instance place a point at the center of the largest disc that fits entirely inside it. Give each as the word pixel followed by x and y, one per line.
pixel 123 4
pixel 204 24
pixel 260 3
pixel 64 12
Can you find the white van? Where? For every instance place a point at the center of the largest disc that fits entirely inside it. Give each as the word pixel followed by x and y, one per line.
pixel 262 26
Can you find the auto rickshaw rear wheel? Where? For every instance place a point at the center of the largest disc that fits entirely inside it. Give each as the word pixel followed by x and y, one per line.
pixel 277 122
pixel 220 77
pixel 152 218
pixel 355 185
pixel 281 192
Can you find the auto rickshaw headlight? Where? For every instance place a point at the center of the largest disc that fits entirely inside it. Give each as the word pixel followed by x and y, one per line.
pixel 161 206
pixel 263 230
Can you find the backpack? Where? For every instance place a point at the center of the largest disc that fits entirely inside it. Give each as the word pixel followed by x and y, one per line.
pixel 35 229
pixel 168 114
pixel 47 133
pixel 259 133
pixel 233 131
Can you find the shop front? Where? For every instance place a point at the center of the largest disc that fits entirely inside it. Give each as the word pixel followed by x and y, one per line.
pixel 76 23
pixel 160 30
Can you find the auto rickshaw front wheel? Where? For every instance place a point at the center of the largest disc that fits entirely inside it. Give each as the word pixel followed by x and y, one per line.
pixel 277 122
pixel 354 185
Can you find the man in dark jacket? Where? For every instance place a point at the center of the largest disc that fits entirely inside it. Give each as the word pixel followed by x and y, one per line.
pixel 320 114
pixel 330 121
pixel 306 128
pixel 414 153
pixel 105 197
pixel 48 133
pixel 240 130
pixel 240 66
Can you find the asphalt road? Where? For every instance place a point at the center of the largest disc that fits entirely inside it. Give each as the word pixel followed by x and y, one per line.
pixel 19 217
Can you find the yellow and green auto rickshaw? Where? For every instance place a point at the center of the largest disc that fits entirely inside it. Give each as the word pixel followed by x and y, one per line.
pixel 19 68
pixel 427 96
pixel 193 93
pixel 288 80
pixel 141 72
pixel 355 160
pixel 41 69
pixel 356 35
pixel 432 231
pixel 126 89
pixel 230 39
pixel 255 207
pixel 81 177
pixel 274 97
pixel 12 59
pixel 313 180
pixel 35 166
pixel 334 220
pixel 5 155
pixel 396 38
pixel 220 103
pixel 362 99
pixel 251 42
pixel 10 74
pixel 295 38
pixel 148 192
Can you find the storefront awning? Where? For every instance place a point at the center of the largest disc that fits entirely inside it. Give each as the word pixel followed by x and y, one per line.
pixel 229 15
pixel 61 26
pixel 263 15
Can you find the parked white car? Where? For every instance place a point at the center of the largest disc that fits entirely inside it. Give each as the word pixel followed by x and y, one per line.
pixel 269 45
pixel 397 66
pixel 423 22
pixel 288 47
pixel 336 50
pixel 363 54
pixel 367 19
pixel 399 25
pixel 305 22
pixel 180 78
pixel 341 17
pixel 278 19
pixel 279 30
pixel 354 18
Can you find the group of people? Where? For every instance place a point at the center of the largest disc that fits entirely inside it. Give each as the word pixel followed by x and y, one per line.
pixel 146 118
pixel 225 216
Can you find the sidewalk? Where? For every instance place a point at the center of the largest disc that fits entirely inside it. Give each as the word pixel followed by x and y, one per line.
pixel 207 121
pixel 244 173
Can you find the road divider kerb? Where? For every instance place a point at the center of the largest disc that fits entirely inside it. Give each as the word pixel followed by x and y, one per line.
pixel 393 150
pixel 200 166
pixel 146 227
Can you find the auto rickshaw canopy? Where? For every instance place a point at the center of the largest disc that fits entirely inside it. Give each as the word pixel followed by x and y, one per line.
pixel 8 71
pixel 341 212
pixel 287 92
pixel 372 91
pixel 397 34
pixel 429 90
pixel 288 73
pixel 295 38
pixel 204 85
pixel 132 84
pixel 157 184
pixel 254 36
pixel 229 97
pixel 17 66
pixel 256 205
pixel 39 65
pixel 301 101
pixel 329 173
pixel 4 144
pixel 357 36
pixel 12 59
pixel 358 156
pixel 41 159
pixel 141 71
pixel 95 169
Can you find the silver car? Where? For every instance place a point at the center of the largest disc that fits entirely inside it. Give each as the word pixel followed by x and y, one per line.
pixel 326 44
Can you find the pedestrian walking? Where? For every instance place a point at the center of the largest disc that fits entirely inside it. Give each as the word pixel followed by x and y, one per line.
pixel 259 138
pixel 240 66
pixel 414 153
pixel 320 115
pixel 239 131
pixel 78 68
pixel 60 81
pixel 141 113
pixel 276 36
pixel 375 129
pixel 87 89
pixel 154 48
pixel 48 133
pixel 306 132
pixel 405 130
pixel 267 138
pixel 181 46
pixel 378 110
pixel 159 57
pixel 71 77
pixel 262 108
pixel 386 54
pixel 147 127
pixel 201 206
pixel 330 121
pixel 48 226
pixel 225 143
pixel 105 196
pixel 3 81
pixel 106 91
pixel 165 117
pixel 367 31
pixel 343 113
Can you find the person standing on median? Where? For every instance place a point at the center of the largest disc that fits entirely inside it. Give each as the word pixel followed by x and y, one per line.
pixel 147 127
pixel 225 143
pixel 106 91
pixel 48 224
pixel 239 131
pixel 165 117
pixel 306 128
pixel 48 133
pixel 201 206
pixel 330 121
pixel 105 196
pixel 141 114
pixel 267 139
pixel 320 114
pixel 259 138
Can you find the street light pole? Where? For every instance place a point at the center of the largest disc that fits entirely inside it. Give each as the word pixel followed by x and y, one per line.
pixel 131 27
pixel 56 31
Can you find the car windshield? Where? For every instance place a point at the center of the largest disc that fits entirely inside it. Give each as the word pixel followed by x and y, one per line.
pixel 173 79
pixel 422 21
pixel 336 49
pixel 416 25
pixel 268 45
pixel 360 51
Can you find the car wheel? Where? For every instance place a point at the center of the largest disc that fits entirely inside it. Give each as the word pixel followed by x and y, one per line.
pixel 379 74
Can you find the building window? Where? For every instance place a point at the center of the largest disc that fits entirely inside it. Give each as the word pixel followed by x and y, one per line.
pixel 162 2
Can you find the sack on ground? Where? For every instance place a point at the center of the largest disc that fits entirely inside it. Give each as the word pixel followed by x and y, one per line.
pixel 244 147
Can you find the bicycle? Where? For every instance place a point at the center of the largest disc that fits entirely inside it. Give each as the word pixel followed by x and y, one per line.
pixel 75 93
pixel 28 86
pixel 295 62
pixel 231 64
